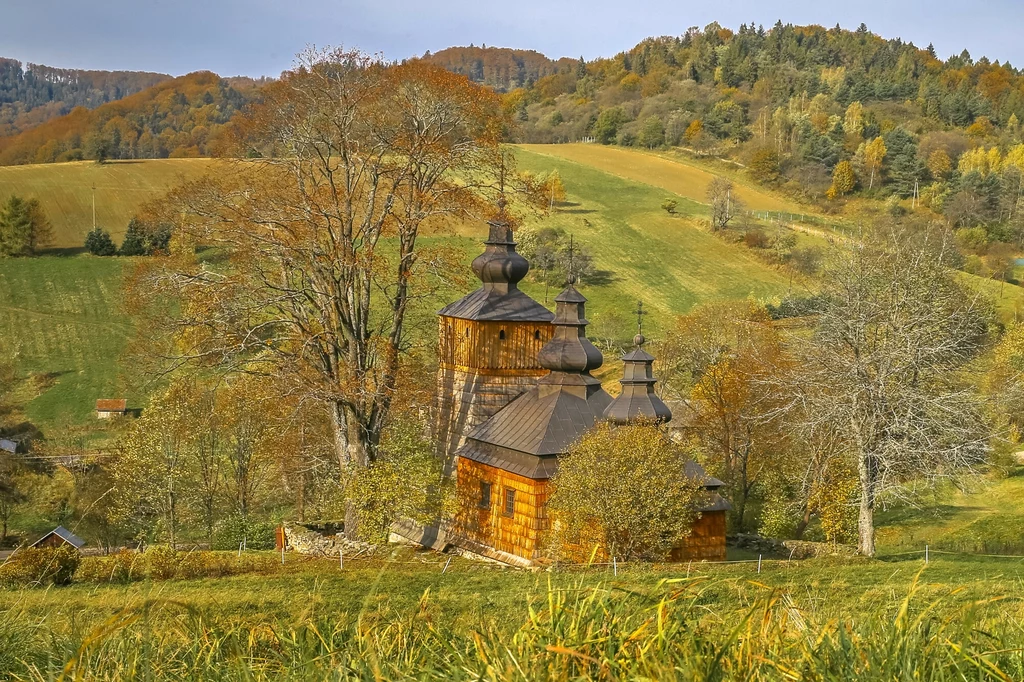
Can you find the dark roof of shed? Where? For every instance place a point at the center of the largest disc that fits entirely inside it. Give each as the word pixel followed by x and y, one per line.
pixel 65 535
pixel 543 421
pixel 489 304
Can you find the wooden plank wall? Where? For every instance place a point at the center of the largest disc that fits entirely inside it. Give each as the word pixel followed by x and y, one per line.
pixel 480 373
pixel 479 346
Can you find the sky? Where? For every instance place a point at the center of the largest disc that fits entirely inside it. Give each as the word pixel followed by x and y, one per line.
pixel 261 37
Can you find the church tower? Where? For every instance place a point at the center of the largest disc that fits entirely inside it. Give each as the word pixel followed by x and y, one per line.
pixel 488 341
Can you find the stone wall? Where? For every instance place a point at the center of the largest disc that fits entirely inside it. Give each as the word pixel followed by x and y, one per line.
pixel 786 549
pixel 305 541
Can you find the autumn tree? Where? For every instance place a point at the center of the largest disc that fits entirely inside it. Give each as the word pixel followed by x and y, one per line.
pixel 874 155
pixel 623 490
pixel 764 165
pixel 352 159
pixel 716 359
pixel 884 367
pixel 939 164
pixel 843 180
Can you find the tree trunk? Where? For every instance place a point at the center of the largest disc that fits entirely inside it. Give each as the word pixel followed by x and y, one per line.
pixel 866 521
pixel 802 524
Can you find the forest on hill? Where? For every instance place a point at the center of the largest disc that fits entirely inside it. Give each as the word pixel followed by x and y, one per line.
pixel 180 117
pixel 498 67
pixel 824 115
pixel 31 94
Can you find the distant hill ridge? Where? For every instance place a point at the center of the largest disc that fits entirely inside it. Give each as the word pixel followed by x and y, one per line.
pixel 31 94
pixel 178 117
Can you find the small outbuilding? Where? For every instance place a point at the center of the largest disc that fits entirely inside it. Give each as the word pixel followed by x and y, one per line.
pixel 105 409
pixel 58 537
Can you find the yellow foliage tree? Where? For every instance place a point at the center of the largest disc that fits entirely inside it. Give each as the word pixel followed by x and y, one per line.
pixel 624 491
pixel 843 180
pixel 939 164
pixel 874 155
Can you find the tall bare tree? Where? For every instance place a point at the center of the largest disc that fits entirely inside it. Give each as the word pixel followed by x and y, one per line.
pixel 885 367
pixel 314 258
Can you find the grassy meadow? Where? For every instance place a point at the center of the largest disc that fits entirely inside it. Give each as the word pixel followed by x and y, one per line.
pixel 66 190
pixel 62 316
pixel 671 262
pixel 410 619
pixel 675 175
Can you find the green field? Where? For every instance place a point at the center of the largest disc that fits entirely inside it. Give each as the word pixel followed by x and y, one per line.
pixel 671 262
pixel 62 315
pixel 121 187
pixel 63 312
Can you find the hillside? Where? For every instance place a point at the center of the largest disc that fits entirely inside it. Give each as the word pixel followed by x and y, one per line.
pixel 31 94
pixel 62 317
pixel 66 190
pixel 64 310
pixel 181 117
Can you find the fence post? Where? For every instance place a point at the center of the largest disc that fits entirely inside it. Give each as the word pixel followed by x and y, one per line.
pixel 615 567
pixel 758 563
pixel 926 555
pixel 239 550
pixel 446 565
pixel 341 557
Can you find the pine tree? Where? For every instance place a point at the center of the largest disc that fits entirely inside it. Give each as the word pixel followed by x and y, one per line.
pixel 134 243
pixel 24 228
pixel 99 243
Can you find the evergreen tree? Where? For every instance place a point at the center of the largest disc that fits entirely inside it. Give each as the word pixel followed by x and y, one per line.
pixel 99 243
pixel 24 228
pixel 135 242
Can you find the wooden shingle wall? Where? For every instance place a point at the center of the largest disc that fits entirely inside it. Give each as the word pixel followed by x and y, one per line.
pixel 706 542
pixel 519 534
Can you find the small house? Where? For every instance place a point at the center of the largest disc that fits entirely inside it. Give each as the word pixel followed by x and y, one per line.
pixel 105 409
pixel 58 537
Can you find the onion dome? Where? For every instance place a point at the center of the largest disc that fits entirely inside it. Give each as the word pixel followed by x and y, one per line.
pixel 637 400
pixel 569 354
pixel 499 267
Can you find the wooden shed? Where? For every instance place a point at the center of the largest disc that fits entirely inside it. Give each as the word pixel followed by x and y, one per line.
pixel 58 537
pixel 105 409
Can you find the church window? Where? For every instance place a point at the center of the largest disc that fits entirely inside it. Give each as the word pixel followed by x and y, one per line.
pixel 485 495
pixel 510 501
pixel 536 334
pixel 501 335
pixel 467 332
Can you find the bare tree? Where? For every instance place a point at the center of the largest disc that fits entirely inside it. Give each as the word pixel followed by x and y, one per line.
pixel 315 259
pixel 884 368
pixel 724 205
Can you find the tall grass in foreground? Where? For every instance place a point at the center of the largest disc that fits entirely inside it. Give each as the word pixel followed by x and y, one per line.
pixel 602 633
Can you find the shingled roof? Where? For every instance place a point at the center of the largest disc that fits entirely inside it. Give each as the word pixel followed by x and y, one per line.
pixel 500 269
pixel 526 435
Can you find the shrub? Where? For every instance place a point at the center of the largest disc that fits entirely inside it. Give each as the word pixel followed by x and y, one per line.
pixel 120 567
pixel 40 566
pixel 756 239
pixel 233 531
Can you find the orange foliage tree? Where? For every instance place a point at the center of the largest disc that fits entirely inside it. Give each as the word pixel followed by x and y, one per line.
pixel 349 159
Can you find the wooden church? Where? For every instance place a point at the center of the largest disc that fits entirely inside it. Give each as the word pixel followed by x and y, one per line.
pixel 516 391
